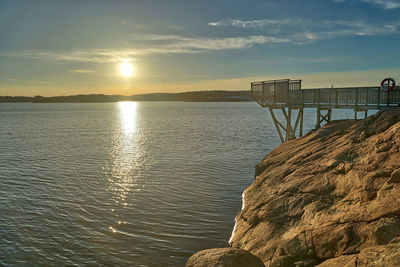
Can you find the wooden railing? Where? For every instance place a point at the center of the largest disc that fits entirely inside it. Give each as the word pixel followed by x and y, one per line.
pixel 289 93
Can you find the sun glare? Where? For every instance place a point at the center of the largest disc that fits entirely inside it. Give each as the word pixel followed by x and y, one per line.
pixel 126 69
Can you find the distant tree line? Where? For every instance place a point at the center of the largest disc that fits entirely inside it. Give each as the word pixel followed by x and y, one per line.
pixel 195 96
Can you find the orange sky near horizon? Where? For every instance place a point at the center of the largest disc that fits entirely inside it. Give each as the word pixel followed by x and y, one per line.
pixel 128 86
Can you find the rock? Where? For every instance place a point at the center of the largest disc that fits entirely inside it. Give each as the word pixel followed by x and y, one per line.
pixel 395 177
pixel 387 255
pixel 342 261
pixel 224 257
pixel 325 199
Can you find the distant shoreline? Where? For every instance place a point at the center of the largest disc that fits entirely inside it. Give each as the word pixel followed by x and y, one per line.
pixel 196 96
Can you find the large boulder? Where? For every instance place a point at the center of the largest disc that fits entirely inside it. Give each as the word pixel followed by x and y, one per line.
pixel 224 257
pixel 332 194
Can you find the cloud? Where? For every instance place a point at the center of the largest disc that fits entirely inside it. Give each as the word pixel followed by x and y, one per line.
pixel 249 23
pixel 303 31
pixel 150 45
pixel 82 71
pixel 268 32
pixel 386 4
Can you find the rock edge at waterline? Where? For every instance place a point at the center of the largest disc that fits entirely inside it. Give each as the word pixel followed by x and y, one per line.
pixel 329 198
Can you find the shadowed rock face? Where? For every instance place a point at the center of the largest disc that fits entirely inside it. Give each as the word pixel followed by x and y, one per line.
pixel 224 257
pixel 331 197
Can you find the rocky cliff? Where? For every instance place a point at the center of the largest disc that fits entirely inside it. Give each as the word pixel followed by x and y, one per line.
pixel 329 198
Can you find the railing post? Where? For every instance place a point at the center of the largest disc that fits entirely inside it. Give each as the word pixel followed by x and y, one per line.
pixel 314 97
pixel 379 97
pixel 337 96
pixel 319 97
pixel 329 96
pixel 356 99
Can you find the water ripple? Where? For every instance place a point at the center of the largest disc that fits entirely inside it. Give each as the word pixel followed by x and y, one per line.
pixel 143 184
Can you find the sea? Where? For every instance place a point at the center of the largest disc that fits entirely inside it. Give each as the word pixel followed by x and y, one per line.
pixel 126 183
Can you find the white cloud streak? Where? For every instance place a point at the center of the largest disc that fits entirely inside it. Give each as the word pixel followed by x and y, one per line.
pixel 302 31
pixel 250 23
pixel 386 4
pixel 270 32
pixel 151 45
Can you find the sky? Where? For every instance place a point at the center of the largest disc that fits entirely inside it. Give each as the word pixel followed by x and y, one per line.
pixel 69 47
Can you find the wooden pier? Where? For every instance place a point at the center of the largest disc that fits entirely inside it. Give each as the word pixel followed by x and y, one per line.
pixel 288 97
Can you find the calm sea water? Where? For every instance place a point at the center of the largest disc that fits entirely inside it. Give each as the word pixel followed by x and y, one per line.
pixel 128 183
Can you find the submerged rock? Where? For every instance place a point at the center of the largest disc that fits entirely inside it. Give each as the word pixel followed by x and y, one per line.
pixel 224 257
pixel 331 198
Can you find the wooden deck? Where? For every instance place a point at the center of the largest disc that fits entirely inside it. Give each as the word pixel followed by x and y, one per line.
pixel 287 95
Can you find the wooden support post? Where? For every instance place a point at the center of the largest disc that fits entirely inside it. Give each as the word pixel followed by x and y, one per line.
pixel 360 110
pixel 290 132
pixel 277 124
pixel 301 121
pixel 323 118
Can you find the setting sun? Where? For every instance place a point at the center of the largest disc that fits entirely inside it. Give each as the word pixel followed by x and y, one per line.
pixel 126 69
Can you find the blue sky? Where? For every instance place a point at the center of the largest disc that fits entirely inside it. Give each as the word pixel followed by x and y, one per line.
pixel 73 47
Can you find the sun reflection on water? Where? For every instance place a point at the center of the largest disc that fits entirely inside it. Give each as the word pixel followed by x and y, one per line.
pixel 124 167
pixel 127 112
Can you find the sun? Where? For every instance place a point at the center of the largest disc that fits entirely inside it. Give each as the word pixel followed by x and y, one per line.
pixel 126 69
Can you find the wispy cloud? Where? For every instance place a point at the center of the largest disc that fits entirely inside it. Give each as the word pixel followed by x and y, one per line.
pixel 83 71
pixel 270 32
pixel 302 31
pixel 386 4
pixel 250 23
pixel 151 45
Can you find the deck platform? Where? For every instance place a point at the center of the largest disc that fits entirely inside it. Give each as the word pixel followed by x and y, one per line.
pixel 287 95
